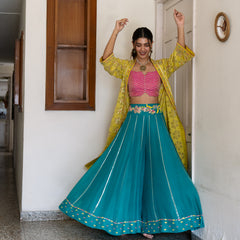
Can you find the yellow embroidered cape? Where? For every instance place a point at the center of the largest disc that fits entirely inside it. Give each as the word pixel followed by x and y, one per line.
pixel 120 68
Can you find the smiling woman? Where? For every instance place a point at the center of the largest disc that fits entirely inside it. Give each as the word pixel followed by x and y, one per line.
pixel 139 184
pixel 142 43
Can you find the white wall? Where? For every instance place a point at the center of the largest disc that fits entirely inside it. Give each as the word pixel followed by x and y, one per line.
pixel 19 123
pixel 57 144
pixel 217 116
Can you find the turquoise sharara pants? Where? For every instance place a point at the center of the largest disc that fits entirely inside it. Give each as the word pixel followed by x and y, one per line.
pixel 138 184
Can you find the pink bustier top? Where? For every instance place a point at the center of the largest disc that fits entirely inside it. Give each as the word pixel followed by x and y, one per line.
pixel 138 84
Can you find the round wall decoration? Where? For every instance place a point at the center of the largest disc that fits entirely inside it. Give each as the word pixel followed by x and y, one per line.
pixel 222 27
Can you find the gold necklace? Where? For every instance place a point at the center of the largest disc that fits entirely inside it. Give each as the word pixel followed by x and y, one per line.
pixel 142 65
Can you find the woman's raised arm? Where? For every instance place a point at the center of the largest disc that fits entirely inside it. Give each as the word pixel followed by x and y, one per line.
pixel 179 19
pixel 120 24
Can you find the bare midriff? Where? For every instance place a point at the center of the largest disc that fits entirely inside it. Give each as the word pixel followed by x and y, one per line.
pixel 143 99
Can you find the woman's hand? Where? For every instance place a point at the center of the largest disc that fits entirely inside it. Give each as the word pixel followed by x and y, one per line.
pixel 120 24
pixel 179 18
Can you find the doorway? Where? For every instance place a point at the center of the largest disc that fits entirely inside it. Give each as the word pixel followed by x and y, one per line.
pixel 5 114
pixel 6 121
pixel 181 80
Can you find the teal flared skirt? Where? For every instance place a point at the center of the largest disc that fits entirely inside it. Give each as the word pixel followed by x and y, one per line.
pixel 138 184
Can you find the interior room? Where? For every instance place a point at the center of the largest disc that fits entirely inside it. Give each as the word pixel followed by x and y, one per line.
pixel 44 147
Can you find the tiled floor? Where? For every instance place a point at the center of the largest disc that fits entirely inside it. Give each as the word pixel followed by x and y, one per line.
pixel 12 229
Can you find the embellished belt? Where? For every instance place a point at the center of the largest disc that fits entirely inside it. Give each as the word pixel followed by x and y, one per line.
pixel 138 108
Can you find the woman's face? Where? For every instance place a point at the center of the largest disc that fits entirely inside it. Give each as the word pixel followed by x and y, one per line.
pixel 143 47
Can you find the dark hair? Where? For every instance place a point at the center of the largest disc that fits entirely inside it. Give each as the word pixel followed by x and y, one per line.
pixel 142 32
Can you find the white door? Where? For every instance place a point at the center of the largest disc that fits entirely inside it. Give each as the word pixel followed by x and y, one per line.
pixel 181 80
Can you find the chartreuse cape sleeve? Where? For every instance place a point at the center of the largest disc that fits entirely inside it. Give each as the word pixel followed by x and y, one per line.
pixel 121 69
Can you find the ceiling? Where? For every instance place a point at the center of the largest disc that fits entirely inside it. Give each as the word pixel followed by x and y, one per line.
pixel 10 11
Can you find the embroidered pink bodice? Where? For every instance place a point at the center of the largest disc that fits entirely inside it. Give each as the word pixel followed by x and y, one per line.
pixel 138 84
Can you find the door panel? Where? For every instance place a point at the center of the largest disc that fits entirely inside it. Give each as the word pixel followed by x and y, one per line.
pixel 181 80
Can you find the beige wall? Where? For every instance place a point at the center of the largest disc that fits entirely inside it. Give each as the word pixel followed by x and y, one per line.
pixel 19 123
pixel 216 130
pixel 57 144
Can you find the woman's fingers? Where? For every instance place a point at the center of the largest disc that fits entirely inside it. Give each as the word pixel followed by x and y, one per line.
pixel 123 21
pixel 120 24
pixel 177 14
pixel 179 17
